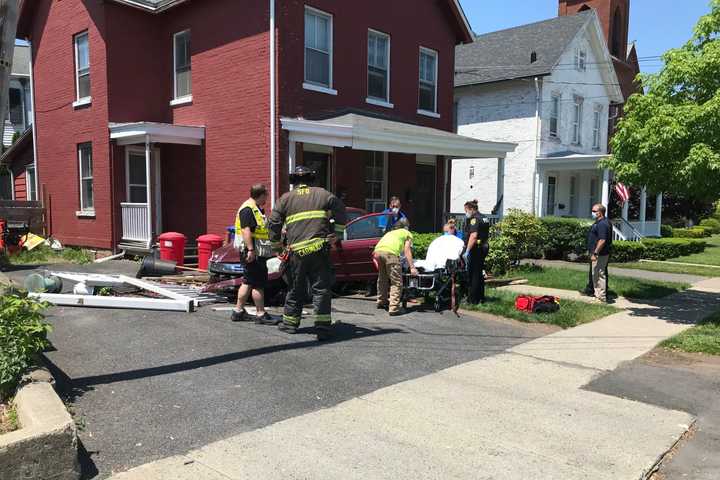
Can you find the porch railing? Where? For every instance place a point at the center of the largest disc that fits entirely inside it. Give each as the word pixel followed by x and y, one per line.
pixel 624 230
pixel 135 222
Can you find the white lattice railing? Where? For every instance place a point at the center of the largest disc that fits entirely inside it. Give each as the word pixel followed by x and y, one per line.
pixel 624 230
pixel 135 222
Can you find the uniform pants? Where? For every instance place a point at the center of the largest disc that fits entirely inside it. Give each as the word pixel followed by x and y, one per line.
pixel 475 270
pixel 389 284
pixel 590 287
pixel 314 270
pixel 599 268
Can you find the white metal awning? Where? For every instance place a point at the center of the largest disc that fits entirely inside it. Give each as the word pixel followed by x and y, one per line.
pixel 571 161
pixel 133 133
pixel 361 132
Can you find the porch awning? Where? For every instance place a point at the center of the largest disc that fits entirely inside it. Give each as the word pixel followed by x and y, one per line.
pixel 571 161
pixel 133 133
pixel 361 132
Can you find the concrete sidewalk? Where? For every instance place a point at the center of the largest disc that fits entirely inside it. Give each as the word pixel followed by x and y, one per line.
pixel 622 272
pixel 521 414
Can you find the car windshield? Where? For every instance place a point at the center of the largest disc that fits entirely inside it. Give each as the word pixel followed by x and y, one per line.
pixel 373 226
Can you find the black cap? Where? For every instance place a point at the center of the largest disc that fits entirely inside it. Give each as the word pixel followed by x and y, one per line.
pixel 302 174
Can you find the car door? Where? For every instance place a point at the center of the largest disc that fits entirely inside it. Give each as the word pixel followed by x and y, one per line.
pixel 353 260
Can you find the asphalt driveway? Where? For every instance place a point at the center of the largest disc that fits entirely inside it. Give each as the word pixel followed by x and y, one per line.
pixel 147 385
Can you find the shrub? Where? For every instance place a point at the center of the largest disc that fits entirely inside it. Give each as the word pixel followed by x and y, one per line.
pixel 666 231
pixel 665 248
pixel 565 236
pixel 712 224
pixel 693 232
pixel 626 251
pixel 23 334
pixel 498 260
pixel 421 242
pixel 524 234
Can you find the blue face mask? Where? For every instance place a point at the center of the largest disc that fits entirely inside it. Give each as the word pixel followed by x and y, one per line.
pixel 594 215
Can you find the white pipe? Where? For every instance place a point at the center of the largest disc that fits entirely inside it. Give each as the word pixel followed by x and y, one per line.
pixel 111 257
pixel 34 126
pixel 148 189
pixel 272 104
pixel 537 202
pixel 292 153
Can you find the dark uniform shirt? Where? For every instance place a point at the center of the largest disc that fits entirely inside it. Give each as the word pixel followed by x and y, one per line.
pixel 601 230
pixel 479 224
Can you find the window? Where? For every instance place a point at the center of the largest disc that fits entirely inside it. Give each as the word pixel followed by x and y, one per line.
pixel 580 60
pixel 30 183
pixel 17 107
pixel 428 81
pixel 318 48
pixel 577 120
pixel 183 65
pixel 375 182
pixel 554 116
pixel 87 203
pixel 82 67
pixel 573 195
pixel 136 178
pixel 378 66
pixel 368 227
pixel 552 183
pixel 597 122
pixel 593 192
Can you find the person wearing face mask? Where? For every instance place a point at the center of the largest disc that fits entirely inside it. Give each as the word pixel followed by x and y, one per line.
pixel 599 243
pixel 477 232
pixel 391 214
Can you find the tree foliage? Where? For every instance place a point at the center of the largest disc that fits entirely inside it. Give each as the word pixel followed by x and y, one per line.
pixel 669 138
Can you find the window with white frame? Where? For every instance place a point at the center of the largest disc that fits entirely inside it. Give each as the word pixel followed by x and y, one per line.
pixel 16 101
pixel 428 80
pixel 183 65
pixel 378 66
pixel 551 186
pixel 597 122
pixel 318 48
pixel 580 60
pixel 577 120
pixel 573 195
pixel 375 182
pixel 82 67
pixel 30 183
pixel 555 116
pixel 87 201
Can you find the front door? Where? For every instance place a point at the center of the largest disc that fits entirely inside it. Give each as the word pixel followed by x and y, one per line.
pixel 135 208
pixel 424 207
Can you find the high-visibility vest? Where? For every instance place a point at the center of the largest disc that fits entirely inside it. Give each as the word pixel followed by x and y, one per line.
pixel 260 235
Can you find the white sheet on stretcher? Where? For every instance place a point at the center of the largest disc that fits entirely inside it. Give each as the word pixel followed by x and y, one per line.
pixel 442 249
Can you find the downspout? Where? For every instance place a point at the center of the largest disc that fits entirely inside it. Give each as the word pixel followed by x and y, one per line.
pixel 536 201
pixel 273 192
pixel 34 125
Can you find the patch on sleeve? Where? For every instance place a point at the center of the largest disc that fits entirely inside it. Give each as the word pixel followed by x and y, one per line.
pixel 473 221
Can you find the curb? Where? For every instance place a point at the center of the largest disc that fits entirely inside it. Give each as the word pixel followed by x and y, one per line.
pixel 45 447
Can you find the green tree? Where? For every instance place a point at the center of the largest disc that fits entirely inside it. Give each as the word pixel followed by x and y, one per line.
pixel 669 138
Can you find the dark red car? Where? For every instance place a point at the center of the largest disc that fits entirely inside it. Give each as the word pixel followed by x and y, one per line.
pixel 352 260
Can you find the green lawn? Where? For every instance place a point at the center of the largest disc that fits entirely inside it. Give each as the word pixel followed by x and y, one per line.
pixel 667 267
pixel 703 338
pixel 711 255
pixel 43 254
pixel 567 279
pixel 571 313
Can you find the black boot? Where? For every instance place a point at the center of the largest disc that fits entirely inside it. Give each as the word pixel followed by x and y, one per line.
pixel 241 316
pixel 291 329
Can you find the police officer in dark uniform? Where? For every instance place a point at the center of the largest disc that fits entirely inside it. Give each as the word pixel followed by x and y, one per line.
pixel 477 233
pixel 306 213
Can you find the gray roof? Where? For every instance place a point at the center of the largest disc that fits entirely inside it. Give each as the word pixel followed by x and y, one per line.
pixel 21 60
pixel 505 54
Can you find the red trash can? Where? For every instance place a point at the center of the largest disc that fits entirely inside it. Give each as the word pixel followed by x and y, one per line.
pixel 172 247
pixel 206 245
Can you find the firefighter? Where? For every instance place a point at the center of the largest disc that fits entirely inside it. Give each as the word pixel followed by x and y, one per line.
pixel 305 212
pixel 477 233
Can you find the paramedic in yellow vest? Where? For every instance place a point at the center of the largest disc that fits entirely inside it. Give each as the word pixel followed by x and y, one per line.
pixel 251 238
pixel 387 255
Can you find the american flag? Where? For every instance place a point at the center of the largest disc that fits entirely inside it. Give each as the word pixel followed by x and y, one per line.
pixel 623 192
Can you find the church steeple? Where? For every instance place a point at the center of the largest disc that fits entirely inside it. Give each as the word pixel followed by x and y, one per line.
pixel 614 16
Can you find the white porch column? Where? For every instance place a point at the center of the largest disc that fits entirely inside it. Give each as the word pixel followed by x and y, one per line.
pixel 540 193
pixel 148 189
pixel 500 185
pixel 292 153
pixel 658 210
pixel 643 209
pixel 606 188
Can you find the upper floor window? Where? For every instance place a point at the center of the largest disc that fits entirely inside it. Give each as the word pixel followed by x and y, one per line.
pixel 378 66
pixel 597 122
pixel 577 120
pixel 428 80
pixel 31 194
pixel 318 48
pixel 87 203
pixel 82 68
pixel 580 60
pixel 555 116
pixel 183 65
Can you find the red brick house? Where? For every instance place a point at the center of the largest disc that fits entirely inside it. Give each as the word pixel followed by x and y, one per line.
pixel 158 115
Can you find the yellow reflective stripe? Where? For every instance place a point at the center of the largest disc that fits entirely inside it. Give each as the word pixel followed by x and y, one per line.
pixel 309 215
pixel 294 321
pixel 307 243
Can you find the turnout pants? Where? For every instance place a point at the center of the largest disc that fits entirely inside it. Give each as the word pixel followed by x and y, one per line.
pixel 389 285
pixel 599 269
pixel 475 270
pixel 313 270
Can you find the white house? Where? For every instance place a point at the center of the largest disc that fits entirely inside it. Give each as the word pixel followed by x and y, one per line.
pixel 551 88
pixel 19 112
